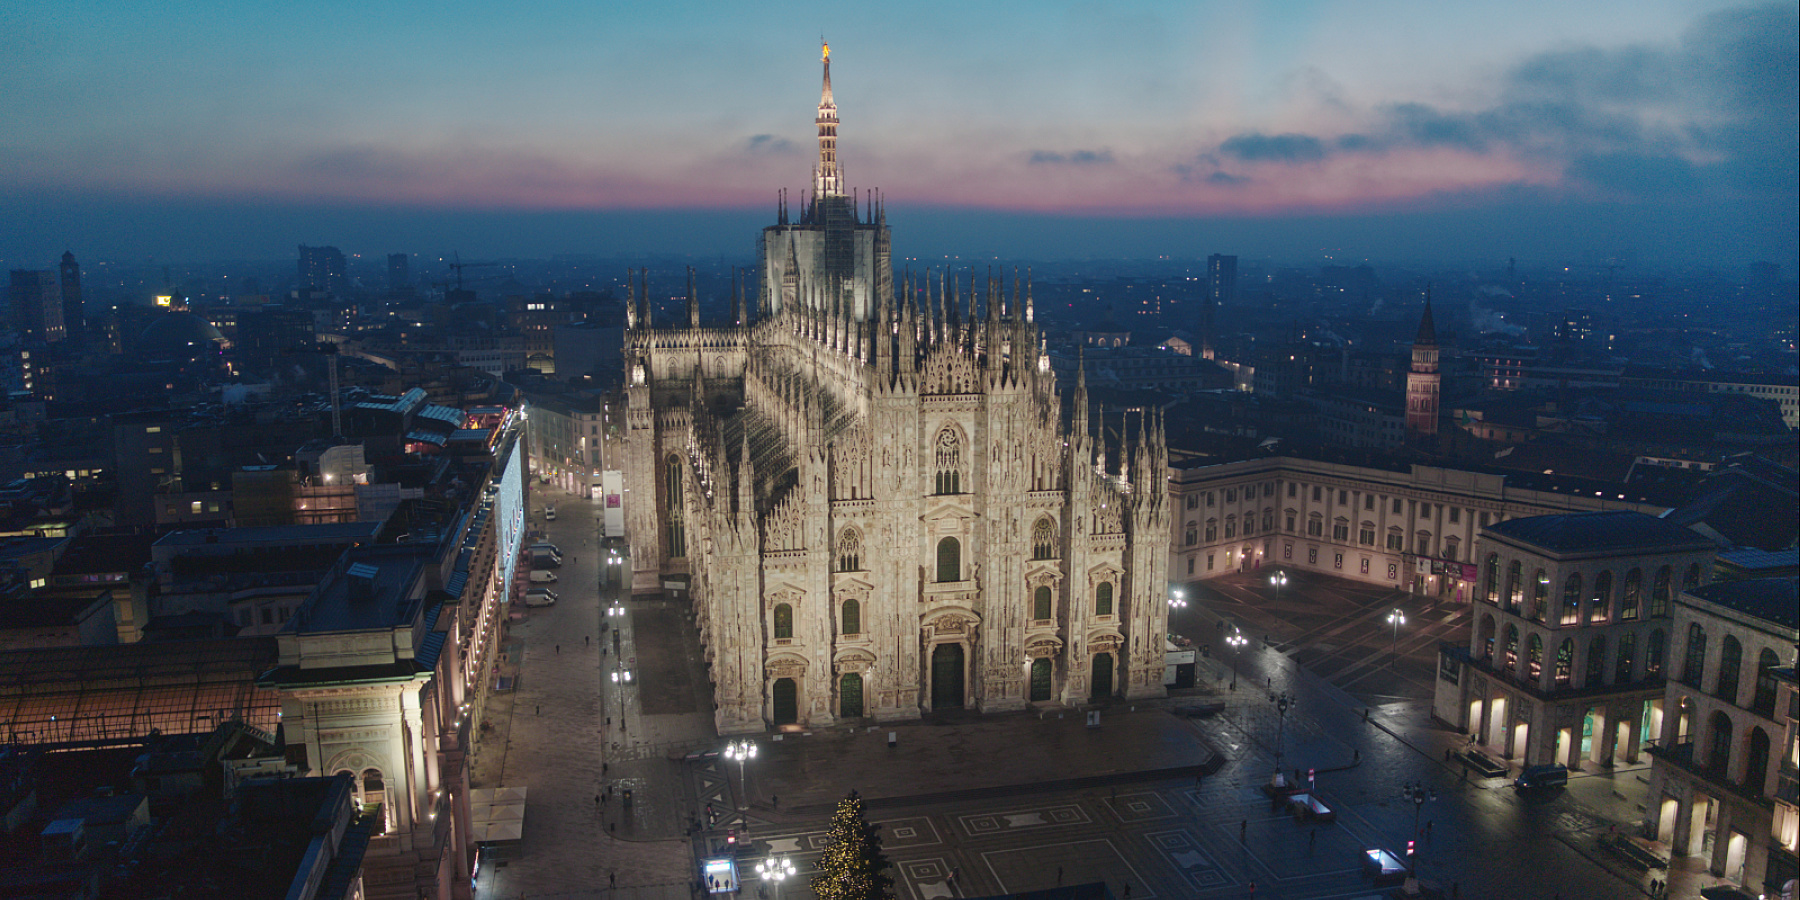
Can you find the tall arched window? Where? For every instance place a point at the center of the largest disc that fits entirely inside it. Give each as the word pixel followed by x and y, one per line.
pixel 852 617
pixel 1695 661
pixel 949 560
pixel 1515 588
pixel 1763 701
pixel 1571 599
pixel 1691 580
pixel 1490 578
pixel 1623 659
pixel 1731 662
pixel 1534 657
pixel 1040 603
pixel 1484 638
pixel 1634 595
pixel 1103 605
pixel 784 621
pixel 948 454
pixel 1540 595
pixel 1043 539
pixel 676 532
pixel 1653 654
pixel 849 553
pixel 1601 607
pixel 1659 595
pixel 1565 662
pixel 1596 662
pixel 1511 645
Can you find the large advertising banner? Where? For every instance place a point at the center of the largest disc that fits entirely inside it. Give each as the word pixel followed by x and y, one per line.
pixel 612 492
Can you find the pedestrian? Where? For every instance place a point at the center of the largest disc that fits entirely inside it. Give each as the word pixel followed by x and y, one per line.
pixel 1428 829
pixel 1252 889
pixel 584 640
pixel 774 801
pixel 1127 890
pixel 1059 876
pixel 1243 829
pixel 1446 754
pixel 612 879
pixel 1455 890
pixel 558 649
pixel 596 799
pixel 1355 755
pixel 1365 714
pixel 603 766
pixel 1312 837
pixel 540 710
pixel 609 827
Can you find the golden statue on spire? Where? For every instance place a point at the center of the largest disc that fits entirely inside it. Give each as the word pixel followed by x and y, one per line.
pixel 825 54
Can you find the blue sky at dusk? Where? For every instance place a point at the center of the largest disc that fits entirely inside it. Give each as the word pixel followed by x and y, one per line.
pixel 1376 128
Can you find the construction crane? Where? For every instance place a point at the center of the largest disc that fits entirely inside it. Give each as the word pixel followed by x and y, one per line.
pixel 457 265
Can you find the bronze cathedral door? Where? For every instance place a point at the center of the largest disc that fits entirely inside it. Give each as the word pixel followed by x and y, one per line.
pixel 947 676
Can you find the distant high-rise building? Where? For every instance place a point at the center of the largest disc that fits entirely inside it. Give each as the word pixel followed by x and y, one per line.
pixel 36 300
pixel 74 319
pixel 1221 290
pixel 322 269
pixel 399 274
pixel 1576 327
pixel 1422 383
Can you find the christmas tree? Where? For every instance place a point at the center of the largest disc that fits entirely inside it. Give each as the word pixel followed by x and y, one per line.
pixel 853 867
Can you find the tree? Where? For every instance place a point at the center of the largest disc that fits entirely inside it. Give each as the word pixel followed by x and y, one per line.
pixel 853 867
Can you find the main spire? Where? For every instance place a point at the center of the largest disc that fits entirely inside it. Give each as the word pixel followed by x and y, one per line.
pixel 826 180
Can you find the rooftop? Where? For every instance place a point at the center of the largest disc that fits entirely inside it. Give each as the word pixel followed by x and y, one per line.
pixel 1616 530
pixel 1774 600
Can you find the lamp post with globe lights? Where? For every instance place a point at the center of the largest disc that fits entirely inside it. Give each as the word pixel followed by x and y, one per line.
pixel 1235 640
pixel 1279 580
pixel 1283 701
pixel 742 752
pixel 776 869
pixel 1417 794
pixel 1396 619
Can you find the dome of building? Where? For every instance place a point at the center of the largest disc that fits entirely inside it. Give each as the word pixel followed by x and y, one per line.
pixel 180 335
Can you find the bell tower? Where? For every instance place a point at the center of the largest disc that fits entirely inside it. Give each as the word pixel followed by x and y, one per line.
pixel 1422 383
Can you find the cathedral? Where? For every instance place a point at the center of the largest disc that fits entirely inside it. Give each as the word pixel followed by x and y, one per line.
pixel 876 495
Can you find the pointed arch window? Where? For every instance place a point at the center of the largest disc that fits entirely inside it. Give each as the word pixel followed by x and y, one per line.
pixel 1043 539
pixel 948 457
pixel 676 532
pixel 1103 599
pixel 849 555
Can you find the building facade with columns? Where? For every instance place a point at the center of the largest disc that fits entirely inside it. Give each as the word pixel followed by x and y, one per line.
pixel 1726 751
pixel 1568 642
pixel 879 500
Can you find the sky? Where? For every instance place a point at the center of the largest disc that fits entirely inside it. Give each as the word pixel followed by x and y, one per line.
pixel 1304 129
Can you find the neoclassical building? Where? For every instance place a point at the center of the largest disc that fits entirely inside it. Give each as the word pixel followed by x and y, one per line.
pixel 879 500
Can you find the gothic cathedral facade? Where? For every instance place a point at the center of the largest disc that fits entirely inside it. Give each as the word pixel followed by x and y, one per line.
pixel 879 500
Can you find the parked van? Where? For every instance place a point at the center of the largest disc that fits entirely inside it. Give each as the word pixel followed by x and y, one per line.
pixel 539 576
pixel 1549 775
pixel 545 559
pixel 546 545
pixel 549 513
pixel 540 597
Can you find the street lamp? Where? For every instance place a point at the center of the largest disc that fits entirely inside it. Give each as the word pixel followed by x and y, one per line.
pixel 1236 640
pixel 743 751
pixel 1415 793
pixel 1283 702
pixel 776 869
pixel 1396 619
pixel 1279 580
pixel 1177 600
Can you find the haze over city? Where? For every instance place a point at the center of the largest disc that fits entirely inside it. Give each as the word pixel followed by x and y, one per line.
pixel 1540 130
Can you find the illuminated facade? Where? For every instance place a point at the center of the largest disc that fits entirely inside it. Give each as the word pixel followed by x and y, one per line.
pixel 879 501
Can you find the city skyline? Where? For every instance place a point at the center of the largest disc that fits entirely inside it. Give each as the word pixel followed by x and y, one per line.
pixel 1658 130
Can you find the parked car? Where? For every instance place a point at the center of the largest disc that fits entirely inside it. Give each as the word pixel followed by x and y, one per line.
pixel 549 513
